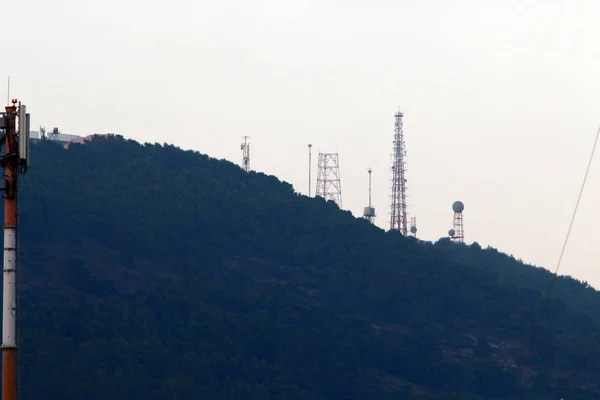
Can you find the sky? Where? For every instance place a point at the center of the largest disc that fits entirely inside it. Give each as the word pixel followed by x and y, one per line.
pixel 501 100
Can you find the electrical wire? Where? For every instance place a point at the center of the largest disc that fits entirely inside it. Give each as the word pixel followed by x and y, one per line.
pixel 578 370
pixel 562 252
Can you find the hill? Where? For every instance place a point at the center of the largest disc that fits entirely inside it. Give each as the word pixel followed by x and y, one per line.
pixel 151 272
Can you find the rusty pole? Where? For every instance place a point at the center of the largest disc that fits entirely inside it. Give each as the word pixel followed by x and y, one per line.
pixel 9 303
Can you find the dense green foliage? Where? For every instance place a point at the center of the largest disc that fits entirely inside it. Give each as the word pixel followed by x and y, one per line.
pixel 153 273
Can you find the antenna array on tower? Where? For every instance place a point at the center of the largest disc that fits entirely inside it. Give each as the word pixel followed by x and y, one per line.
pixel 398 207
pixel 328 178
pixel 14 142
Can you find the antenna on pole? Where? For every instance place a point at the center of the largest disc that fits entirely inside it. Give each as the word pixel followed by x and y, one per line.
pixel 369 212
pixel 8 92
pixel 309 168
pixel 370 170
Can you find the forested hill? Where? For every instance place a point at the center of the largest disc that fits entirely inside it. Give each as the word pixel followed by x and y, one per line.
pixel 155 273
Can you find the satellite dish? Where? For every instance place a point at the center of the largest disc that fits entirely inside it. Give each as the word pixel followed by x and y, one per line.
pixel 451 232
pixel 458 206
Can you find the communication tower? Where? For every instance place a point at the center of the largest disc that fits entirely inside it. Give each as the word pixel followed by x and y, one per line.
pixel 398 206
pixel 457 232
pixel 369 212
pixel 245 147
pixel 309 168
pixel 413 226
pixel 328 178
pixel 14 141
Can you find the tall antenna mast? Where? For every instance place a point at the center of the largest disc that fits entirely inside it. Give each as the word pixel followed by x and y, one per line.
pixel 8 92
pixel 457 233
pixel 370 171
pixel 328 178
pixel 309 168
pixel 369 212
pixel 14 161
pixel 246 153
pixel 398 206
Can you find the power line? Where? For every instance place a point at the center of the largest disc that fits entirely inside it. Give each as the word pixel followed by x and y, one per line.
pixel 562 252
pixel 578 370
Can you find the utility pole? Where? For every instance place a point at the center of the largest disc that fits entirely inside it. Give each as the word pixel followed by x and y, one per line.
pixel 14 161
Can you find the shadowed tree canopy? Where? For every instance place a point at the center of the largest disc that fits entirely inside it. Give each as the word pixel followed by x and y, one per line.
pixel 156 273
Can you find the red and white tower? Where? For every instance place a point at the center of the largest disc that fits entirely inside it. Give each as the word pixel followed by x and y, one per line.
pixel 14 140
pixel 398 218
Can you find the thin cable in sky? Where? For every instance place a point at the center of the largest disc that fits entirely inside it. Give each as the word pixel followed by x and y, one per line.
pixel 562 252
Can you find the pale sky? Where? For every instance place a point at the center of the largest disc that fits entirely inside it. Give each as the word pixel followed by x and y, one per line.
pixel 501 99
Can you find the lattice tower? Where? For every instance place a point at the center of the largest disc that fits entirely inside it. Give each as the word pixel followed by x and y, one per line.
pixel 398 218
pixel 328 178
pixel 246 153
pixel 413 226
pixel 457 225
